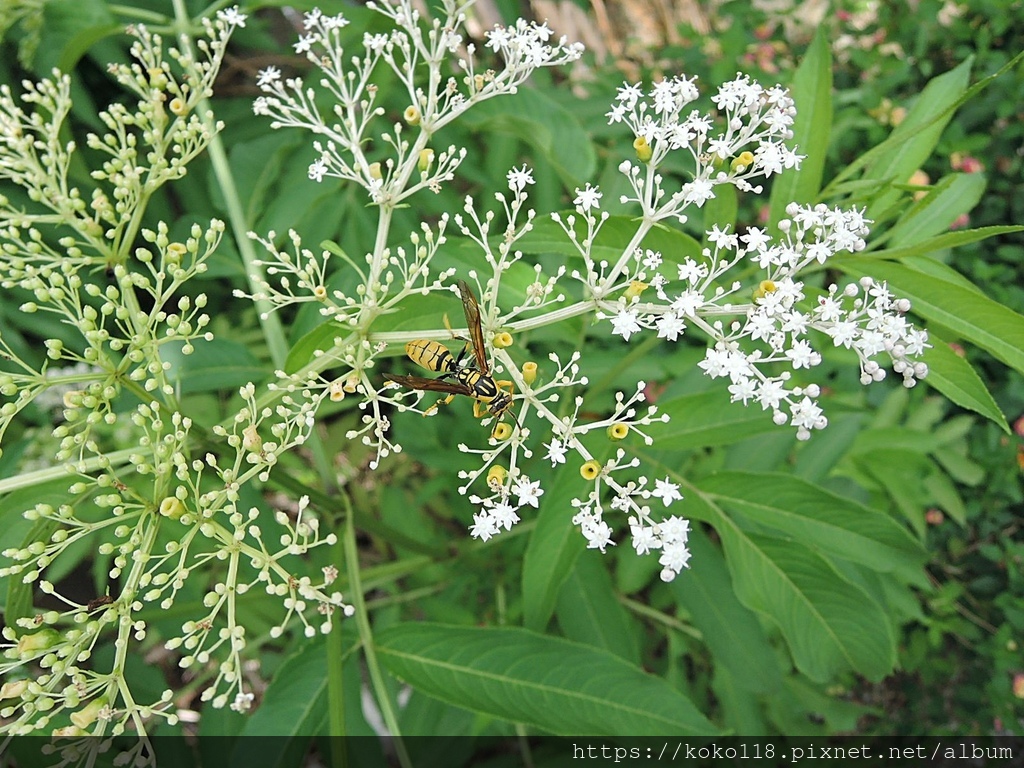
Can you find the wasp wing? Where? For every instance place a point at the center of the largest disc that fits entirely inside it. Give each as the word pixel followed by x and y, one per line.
pixel 430 385
pixel 472 310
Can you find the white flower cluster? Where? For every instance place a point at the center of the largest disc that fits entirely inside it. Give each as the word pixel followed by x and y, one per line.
pixel 754 118
pixel 410 51
pixel 771 329
pixel 758 341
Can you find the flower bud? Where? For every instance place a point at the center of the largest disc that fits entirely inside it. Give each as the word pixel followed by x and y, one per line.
pixel 496 477
pixel 529 372
pixel 590 470
pixel 617 432
pixel 502 340
pixel 644 153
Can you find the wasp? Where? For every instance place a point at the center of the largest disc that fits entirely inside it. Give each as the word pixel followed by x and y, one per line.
pixel 459 377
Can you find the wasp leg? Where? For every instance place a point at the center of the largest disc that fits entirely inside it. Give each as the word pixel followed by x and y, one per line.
pixel 433 409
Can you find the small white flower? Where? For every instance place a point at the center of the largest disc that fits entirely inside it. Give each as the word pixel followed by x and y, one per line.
pixel 317 170
pixel 587 199
pixel 625 323
pixel 518 178
pixel 527 492
pixel 556 452
pixel 666 490
pixel 504 515
pixel 242 702
pixel 484 526
pixel 267 76
pixel 232 17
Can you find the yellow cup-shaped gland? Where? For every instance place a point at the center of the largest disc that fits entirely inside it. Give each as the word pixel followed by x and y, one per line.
pixel 501 431
pixel 617 432
pixel 375 172
pixel 742 161
pixel 496 477
pixel 590 470
pixel 87 715
pixel 178 106
pixel 174 253
pixel 764 288
pixel 529 372
pixel 412 115
pixel 426 159
pixel 644 152
pixel 502 340
pixel 172 507
pixel 634 290
pixel 337 390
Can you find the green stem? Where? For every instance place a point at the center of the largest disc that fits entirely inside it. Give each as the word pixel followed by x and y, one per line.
pixel 366 636
pixel 336 667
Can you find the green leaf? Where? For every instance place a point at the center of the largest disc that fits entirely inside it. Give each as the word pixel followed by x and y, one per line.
pixel 914 140
pixel 706 419
pixel 816 518
pixel 216 365
pixel 973 316
pixel 616 233
pixel 544 124
pixel 590 613
pixel 830 624
pixel 70 28
pixel 732 633
pixel 938 243
pixel 551 554
pixel 951 197
pixel 812 91
pixel 956 378
pixel 294 708
pixel 556 685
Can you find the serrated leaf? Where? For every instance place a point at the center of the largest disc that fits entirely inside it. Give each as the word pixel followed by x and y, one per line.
pixel 937 243
pixel 955 377
pixel 552 684
pixel 914 140
pixel 949 198
pixel 815 517
pixel 830 624
pixel 732 633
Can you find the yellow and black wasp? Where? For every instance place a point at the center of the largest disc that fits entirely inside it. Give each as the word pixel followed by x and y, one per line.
pixel 489 396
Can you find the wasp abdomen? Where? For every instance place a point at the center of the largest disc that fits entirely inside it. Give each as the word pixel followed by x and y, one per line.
pixel 432 355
